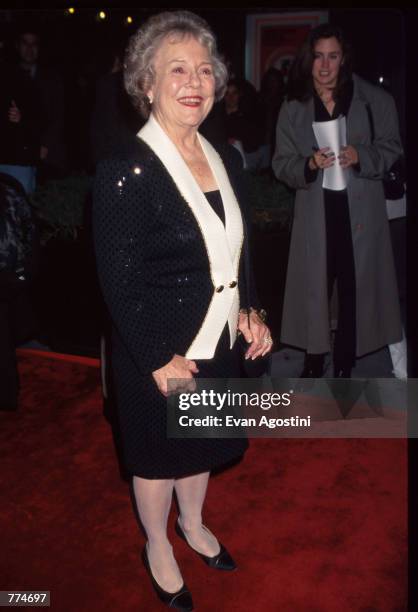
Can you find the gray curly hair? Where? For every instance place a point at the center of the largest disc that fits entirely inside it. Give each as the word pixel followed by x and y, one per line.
pixel 143 45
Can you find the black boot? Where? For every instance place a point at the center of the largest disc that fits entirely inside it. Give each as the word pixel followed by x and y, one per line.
pixel 313 366
pixel 342 372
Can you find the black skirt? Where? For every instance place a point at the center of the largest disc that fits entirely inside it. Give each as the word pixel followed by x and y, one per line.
pixel 142 409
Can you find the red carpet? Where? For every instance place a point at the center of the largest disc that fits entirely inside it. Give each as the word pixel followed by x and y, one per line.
pixel 315 525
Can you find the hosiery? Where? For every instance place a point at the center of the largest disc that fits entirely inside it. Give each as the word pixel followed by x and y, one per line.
pixel 191 493
pixel 153 499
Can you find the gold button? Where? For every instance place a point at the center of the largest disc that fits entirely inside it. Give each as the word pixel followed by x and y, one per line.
pixel 232 284
pixel 219 289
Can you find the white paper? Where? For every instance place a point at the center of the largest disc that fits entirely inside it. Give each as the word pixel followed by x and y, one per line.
pixel 396 208
pixel 398 354
pixel 332 134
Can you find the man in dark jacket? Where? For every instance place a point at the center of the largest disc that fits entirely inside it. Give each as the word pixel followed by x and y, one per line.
pixel 31 115
pixel 47 87
pixel 20 127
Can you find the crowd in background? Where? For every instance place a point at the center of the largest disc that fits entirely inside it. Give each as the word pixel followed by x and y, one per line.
pixel 54 124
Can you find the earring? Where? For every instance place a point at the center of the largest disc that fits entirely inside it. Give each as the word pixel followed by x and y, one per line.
pixel 150 99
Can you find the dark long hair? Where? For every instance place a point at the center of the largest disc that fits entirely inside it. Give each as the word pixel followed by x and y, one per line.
pixel 300 85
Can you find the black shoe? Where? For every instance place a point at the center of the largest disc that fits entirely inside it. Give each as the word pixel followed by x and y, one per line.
pixel 342 373
pixel 221 561
pixel 181 599
pixel 313 366
pixel 308 373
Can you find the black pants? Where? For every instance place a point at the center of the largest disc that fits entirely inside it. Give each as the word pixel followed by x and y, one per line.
pixel 340 270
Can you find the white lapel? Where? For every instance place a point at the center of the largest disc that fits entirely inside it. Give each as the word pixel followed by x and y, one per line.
pixel 233 220
pixel 223 244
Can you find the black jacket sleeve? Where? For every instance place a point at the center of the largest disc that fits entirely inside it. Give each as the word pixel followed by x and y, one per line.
pixel 121 220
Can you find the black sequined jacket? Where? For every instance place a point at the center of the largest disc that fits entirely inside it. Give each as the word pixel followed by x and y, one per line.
pixel 152 262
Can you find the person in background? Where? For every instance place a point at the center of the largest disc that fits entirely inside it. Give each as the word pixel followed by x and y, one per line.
pixel 20 127
pixel 271 96
pixel 339 238
pixel 243 120
pixel 114 121
pixel 48 87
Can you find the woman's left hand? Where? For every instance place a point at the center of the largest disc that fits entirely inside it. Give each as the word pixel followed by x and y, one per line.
pixel 348 156
pixel 256 333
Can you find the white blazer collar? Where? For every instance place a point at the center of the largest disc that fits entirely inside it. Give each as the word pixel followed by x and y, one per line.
pixel 223 243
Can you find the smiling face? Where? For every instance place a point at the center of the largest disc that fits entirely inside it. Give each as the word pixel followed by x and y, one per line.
pixel 328 57
pixel 183 91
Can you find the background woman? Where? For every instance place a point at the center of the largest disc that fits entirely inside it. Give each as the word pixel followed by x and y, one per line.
pixel 169 237
pixel 338 237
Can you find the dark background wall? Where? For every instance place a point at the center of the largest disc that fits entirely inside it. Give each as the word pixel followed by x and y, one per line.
pixel 378 35
pixel 379 43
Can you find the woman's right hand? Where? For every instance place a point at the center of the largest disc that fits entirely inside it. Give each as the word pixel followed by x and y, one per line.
pixel 178 368
pixel 322 159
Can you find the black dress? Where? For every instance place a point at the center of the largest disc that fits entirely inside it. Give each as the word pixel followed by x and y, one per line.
pixel 155 277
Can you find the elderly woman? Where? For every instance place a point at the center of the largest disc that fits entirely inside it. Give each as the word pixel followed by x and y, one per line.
pixel 339 237
pixel 169 238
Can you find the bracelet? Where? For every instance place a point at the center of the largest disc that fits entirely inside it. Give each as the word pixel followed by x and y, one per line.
pixel 262 314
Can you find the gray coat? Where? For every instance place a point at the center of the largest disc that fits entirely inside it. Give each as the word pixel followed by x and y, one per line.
pixel 306 318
